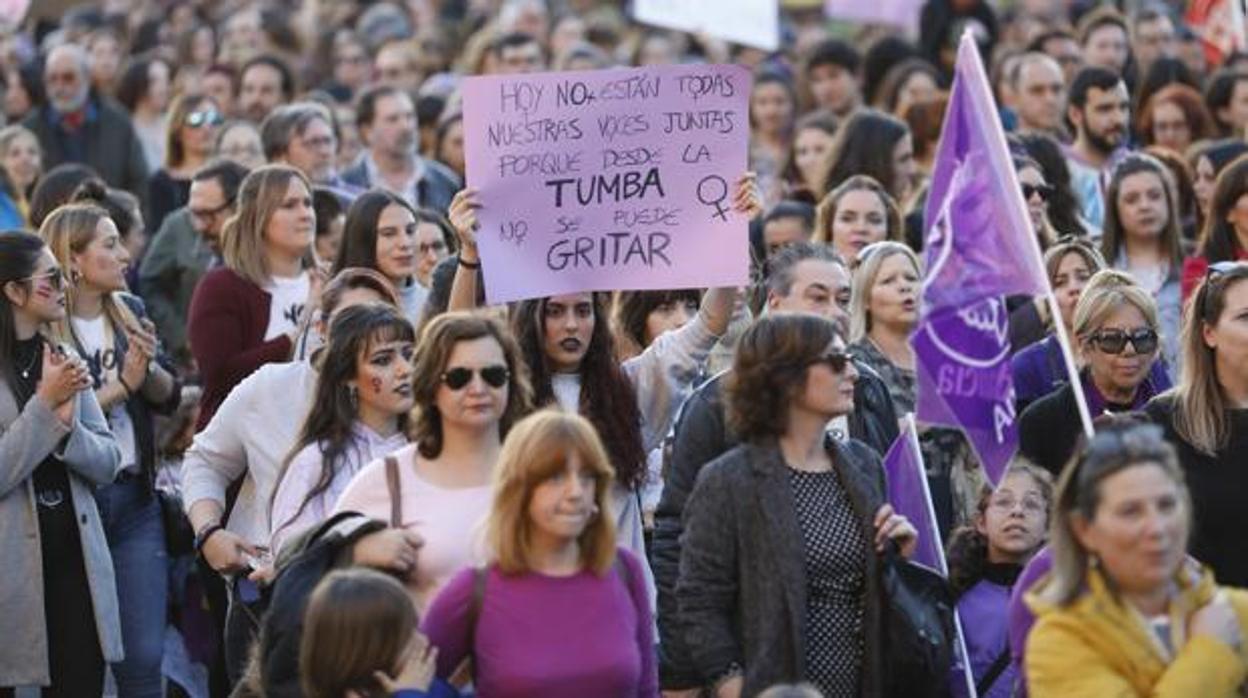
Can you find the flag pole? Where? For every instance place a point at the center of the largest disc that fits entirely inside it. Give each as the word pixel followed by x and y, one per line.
pixel 910 431
pixel 1068 357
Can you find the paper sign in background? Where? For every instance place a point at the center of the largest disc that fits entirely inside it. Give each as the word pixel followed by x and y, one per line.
pixel 608 179
pixel 751 22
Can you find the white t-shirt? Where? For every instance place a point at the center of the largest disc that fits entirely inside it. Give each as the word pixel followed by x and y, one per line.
pixel 101 357
pixel 288 296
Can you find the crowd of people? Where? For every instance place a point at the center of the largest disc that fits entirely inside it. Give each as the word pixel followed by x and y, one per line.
pixel 262 435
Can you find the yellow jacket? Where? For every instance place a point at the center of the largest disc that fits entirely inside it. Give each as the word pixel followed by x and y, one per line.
pixel 1099 648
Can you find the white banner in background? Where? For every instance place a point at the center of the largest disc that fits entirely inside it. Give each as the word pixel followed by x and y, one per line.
pixel 751 22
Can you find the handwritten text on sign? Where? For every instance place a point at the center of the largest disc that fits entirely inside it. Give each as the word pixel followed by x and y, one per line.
pixel 608 179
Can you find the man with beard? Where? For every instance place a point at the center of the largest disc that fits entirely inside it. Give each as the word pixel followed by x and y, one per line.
pixel 76 125
pixel 1099 111
pixel 187 245
pixel 386 118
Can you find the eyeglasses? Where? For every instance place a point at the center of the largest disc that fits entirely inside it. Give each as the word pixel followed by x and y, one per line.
pixel 835 360
pixel 460 376
pixel 319 142
pixel 1031 505
pixel 54 276
pixel 1144 340
pixel 210 213
pixel 1045 191
pixel 435 246
pixel 204 117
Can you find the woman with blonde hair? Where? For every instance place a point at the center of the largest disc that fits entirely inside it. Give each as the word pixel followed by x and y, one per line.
pixel 1206 418
pixel 1124 611
pixel 884 309
pixel 855 214
pixel 557 594
pixel 470 387
pixel 1116 330
pixel 110 330
pixel 249 311
pixel 21 163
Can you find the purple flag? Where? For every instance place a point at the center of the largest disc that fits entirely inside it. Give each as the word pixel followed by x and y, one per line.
pixel 907 492
pixel 979 247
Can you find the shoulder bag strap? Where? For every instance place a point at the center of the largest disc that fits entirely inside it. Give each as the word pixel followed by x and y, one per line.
pixel 395 490
pixel 994 672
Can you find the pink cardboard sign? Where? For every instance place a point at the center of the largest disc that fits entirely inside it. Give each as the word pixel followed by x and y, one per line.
pixel 608 179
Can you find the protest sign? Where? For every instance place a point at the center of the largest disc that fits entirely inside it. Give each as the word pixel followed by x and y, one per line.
pixel 608 179
pixel 898 13
pixel 751 22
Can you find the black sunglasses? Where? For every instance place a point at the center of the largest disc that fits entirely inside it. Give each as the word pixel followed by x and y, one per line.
pixel 1144 340
pixel 1044 190
pixel 835 360
pixel 460 376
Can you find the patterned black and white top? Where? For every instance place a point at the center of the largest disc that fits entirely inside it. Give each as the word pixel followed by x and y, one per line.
pixel 832 541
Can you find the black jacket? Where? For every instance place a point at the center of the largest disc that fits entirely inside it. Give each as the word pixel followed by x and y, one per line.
pixel 282 628
pixel 702 435
pixel 113 148
pixel 742 584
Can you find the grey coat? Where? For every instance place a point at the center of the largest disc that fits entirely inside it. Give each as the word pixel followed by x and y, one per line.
pixel 94 459
pixel 742 587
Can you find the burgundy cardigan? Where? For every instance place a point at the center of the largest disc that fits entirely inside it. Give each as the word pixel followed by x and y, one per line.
pixel 226 326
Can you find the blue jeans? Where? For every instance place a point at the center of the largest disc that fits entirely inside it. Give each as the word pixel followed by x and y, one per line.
pixel 136 539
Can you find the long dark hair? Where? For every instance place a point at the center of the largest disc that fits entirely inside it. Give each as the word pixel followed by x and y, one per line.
pixel 359 233
pixel 1064 205
pixel 607 399
pixel 19 257
pixel 331 422
pixel 1217 237
pixel 865 146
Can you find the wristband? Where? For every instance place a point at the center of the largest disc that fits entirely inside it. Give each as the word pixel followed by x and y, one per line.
pixel 202 536
pixel 130 392
pixel 469 265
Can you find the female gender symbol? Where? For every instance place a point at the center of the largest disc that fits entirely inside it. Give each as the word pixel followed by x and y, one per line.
pixel 714 201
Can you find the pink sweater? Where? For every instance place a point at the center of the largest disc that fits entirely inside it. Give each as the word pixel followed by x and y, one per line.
pixel 451 521
pixel 549 637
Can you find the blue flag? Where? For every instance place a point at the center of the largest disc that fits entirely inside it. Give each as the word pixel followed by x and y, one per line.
pixel 979 247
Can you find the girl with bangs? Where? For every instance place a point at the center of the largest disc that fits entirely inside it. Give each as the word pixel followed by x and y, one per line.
pixel 559 610
pixel 359 414
pixel 470 387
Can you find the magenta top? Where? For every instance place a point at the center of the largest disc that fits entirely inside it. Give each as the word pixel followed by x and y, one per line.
pixel 548 637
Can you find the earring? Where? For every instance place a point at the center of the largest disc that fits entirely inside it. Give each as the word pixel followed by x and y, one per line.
pixel 353 396
pixel 74 276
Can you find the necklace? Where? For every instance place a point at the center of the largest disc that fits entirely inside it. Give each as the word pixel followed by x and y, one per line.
pixel 30 366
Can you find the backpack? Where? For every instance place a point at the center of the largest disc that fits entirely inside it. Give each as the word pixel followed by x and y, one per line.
pixel 918 629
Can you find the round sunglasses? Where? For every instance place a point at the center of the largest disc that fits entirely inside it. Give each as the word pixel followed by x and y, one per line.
pixel 460 376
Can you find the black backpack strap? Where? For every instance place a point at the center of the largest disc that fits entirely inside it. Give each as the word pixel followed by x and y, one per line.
pixel 994 672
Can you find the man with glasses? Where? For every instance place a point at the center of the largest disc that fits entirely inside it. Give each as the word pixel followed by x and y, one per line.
pixel 76 125
pixel 186 246
pixel 302 135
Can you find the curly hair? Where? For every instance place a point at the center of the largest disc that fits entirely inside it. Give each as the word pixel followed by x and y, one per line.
pixel 607 398
pixel 437 341
pixel 770 369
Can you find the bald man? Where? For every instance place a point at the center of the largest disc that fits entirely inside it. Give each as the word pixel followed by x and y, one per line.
pixel 1039 93
pixel 76 125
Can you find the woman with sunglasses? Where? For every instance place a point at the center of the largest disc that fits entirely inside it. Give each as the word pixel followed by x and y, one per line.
pixel 1028 314
pixel 883 314
pixel 1115 328
pixel 470 387
pixel 779 565
pixel 1142 237
pixel 191 136
pixel 133 384
pixel 1206 418
pixel 1124 611
pixel 1039 369
pixel 57 595
pixel 1225 235
pixel 359 414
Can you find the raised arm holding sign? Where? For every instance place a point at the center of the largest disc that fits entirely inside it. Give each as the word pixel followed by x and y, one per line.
pixel 606 180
